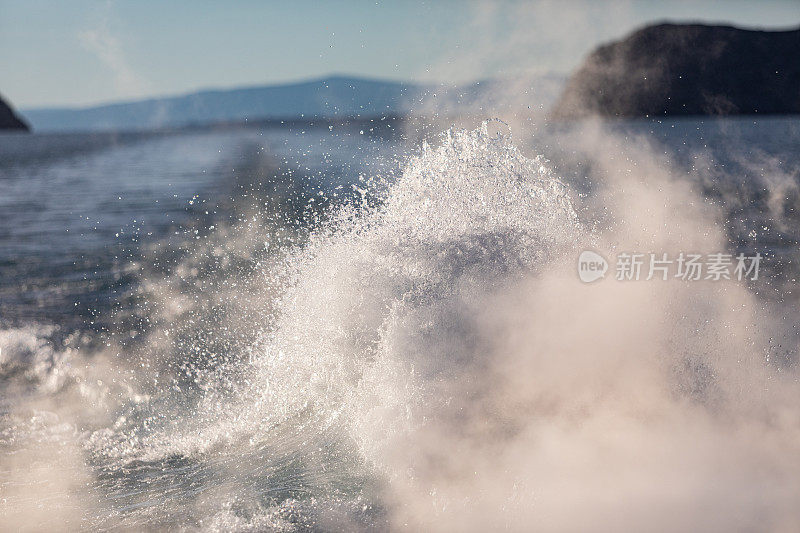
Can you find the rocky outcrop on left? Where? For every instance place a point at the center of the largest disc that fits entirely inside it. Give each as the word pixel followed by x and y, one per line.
pixel 9 120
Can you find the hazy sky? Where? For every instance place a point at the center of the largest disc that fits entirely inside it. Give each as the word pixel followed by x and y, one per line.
pixel 83 52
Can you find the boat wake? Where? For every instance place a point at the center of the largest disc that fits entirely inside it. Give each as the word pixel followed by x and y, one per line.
pixel 423 359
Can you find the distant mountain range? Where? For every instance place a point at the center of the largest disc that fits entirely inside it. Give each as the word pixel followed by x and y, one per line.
pixel 664 69
pixel 331 97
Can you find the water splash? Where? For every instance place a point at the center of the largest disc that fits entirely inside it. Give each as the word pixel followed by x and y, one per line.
pixel 464 218
pixel 432 362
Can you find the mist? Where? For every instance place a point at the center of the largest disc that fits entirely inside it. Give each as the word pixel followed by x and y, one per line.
pixel 333 328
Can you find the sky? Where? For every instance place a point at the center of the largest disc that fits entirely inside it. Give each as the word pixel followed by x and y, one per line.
pixel 84 52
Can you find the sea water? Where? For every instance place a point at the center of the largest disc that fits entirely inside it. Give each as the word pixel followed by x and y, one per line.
pixel 322 329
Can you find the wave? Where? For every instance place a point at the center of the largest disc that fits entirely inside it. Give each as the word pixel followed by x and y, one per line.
pixel 424 358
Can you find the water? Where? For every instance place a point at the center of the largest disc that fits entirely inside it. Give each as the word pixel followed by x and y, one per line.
pixel 325 329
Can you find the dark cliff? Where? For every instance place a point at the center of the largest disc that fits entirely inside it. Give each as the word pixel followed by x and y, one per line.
pixel 687 69
pixel 8 119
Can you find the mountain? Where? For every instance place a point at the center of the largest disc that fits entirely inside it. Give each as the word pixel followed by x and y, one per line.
pixel 9 120
pixel 687 69
pixel 329 98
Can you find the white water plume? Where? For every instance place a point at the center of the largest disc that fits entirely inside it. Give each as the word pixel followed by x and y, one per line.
pixel 434 363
